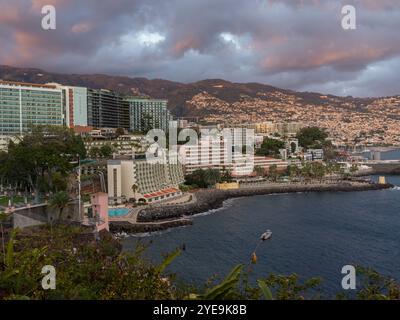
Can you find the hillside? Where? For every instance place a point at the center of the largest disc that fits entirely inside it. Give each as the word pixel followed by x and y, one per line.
pixel 178 94
pixel 348 120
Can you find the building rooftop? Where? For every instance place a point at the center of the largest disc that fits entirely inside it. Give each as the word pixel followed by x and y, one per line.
pixel 27 84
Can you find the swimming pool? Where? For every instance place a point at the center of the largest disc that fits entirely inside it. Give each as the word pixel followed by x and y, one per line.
pixel 118 212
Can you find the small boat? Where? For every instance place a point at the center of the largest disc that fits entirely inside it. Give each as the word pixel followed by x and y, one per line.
pixel 266 235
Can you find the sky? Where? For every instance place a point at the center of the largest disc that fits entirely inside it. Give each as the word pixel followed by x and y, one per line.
pixel 293 44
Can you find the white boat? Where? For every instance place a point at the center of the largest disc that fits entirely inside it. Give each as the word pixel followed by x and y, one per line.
pixel 266 235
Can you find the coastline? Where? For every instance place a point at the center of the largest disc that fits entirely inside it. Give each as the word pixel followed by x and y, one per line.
pixel 160 218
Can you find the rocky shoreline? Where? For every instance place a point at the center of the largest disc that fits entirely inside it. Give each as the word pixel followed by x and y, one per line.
pixel 127 227
pixel 213 199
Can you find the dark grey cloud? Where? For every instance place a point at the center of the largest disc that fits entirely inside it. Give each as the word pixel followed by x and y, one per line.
pixel 296 44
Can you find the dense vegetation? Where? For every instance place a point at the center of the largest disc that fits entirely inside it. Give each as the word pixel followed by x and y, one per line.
pixel 270 147
pixel 90 269
pixel 207 178
pixel 42 160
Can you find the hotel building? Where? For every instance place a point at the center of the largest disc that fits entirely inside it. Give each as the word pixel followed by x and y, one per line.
pixel 76 106
pixel 226 153
pixel 154 180
pixel 26 104
pixel 148 113
pixel 107 109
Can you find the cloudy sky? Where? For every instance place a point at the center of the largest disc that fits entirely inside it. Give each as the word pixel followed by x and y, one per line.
pixel 295 44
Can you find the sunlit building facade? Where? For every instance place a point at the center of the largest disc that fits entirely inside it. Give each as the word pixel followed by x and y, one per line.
pixel 23 105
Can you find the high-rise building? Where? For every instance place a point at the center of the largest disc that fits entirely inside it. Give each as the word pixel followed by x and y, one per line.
pixel 107 109
pixel 147 114
pixel 76 111
pixel 26 104
pixel 75 105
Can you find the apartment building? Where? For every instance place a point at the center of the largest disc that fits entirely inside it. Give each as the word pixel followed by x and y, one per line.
pixel 146 114
pixel 107 109
pixel 25 104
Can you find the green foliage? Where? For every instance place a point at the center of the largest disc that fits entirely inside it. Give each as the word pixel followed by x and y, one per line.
pixel 40 156
pixel 186 188
pixel 259 170
pixel 120 132
pixel 59 201
pixel 312 137
pixel 106 151
pixel 226 176
pixel 226 289
pixel 9 260
pixel 374 286
pixel 265 290
pixel 148 123
pixel 94 152
pixel 89 269
pixel 270 147
pixel 168 260
pixel 203 178
pixel 289 287
pixel 86 269
pixel 59 182
pixel 313 170
pixel 273 172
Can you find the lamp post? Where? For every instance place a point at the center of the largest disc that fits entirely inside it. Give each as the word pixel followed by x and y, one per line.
pixel 79 188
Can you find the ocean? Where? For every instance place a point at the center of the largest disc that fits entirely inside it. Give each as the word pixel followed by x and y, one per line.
pixel 314 235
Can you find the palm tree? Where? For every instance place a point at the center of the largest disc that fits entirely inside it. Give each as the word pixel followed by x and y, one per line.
pixel 259 170
pixel 273 172
pixel 134 189
pixel 59 201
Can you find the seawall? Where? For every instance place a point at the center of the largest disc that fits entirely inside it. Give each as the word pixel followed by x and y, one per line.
pixel 213 199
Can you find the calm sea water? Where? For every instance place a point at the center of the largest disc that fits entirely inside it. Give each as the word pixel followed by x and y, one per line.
pixel 390 155
pixel 314 235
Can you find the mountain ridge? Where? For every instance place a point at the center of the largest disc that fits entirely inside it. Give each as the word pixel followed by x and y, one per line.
pixel 180 95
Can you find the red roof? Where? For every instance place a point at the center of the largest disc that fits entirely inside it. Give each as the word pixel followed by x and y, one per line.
pixel 161 192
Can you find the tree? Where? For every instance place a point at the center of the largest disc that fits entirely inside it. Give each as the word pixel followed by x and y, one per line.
pixel 353 168
pixel 226 175
pixel 211 177
pixel 292 171
pixel 293 147
pixel 273 172
pixel 94 152
pixel 148 123
pixel 318 170
pixel 259 170
pixel 120 132
pixel 203 178
pixel 270 147
pixel 312 137
pixel 134 189
pixel 35 158
pixel 59 201
pixel 59 182
pixel 106 151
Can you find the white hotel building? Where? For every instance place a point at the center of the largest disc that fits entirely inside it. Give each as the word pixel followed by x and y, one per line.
pixel 233 152
pixel 154 180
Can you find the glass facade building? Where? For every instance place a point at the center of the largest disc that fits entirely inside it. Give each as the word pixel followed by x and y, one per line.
pixel 146 114
pixel 23 105
pixel 107 109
